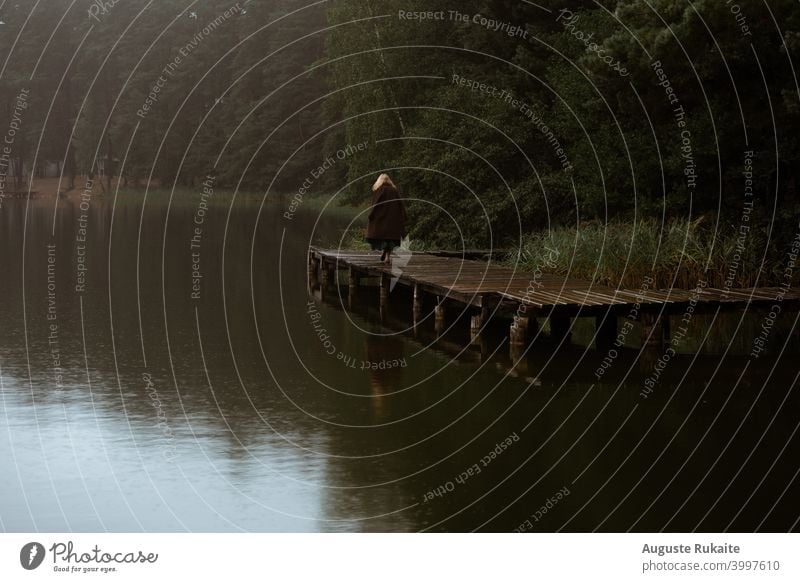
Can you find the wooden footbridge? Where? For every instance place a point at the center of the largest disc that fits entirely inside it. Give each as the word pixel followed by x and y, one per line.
pixel 489 290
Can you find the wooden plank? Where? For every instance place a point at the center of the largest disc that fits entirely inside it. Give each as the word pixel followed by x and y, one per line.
pixel 483 283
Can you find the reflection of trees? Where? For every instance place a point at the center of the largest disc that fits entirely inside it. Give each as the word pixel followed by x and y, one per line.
pixel 116 367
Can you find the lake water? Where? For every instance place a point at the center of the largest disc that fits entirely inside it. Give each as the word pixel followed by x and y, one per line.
pixel 147 385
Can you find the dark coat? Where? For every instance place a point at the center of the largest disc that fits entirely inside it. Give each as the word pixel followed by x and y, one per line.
pixel 387 218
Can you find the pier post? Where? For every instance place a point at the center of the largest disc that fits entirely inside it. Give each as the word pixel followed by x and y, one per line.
pixel 352 281
pixel 518 334
pixel 327 272
pixel 417 309
pixel 310 263
pixel 352 286
pixel 477 323
pixel 440 315
pixel 327 276
pixel 605 330
pixel 313 270
pixel 559 328
pixel 323 274
pixel 384 289
pixel 655 331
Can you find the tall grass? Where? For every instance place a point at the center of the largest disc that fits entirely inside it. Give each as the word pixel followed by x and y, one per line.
pixel 676 254
pixel 355 239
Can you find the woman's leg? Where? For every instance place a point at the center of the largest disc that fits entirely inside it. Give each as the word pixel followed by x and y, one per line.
pixel 378 245
pixel 390 244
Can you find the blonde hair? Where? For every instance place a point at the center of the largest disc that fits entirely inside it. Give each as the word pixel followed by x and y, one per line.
pixel 382 180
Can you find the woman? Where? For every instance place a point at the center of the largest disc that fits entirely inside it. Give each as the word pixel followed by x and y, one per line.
pixel 387 218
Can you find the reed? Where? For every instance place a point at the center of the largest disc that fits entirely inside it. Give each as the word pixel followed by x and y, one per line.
pixel 678 253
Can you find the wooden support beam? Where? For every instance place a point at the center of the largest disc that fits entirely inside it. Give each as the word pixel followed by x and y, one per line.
pixel 352 281
pixel 440 315
pixel 651 338
pixel 475 326
pixel 518 334
pixel 384 289
pixel 518 341
pixel 417 308
pixel 478 322
pixel 327 276
pixel 655 330
pixel 486 313
pixel 324 275
pixel 313 271
pixel 352 286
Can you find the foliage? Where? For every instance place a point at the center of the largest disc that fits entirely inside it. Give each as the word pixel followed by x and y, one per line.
pixel 237 102
pixel 679 253
pixel 479 172
pixel 557 137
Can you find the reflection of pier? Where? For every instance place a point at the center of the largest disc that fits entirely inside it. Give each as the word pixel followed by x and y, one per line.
pixel 484 291
pixel 457 343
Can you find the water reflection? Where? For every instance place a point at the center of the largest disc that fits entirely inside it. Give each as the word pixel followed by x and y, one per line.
pixel 385 363
pixel 149 408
